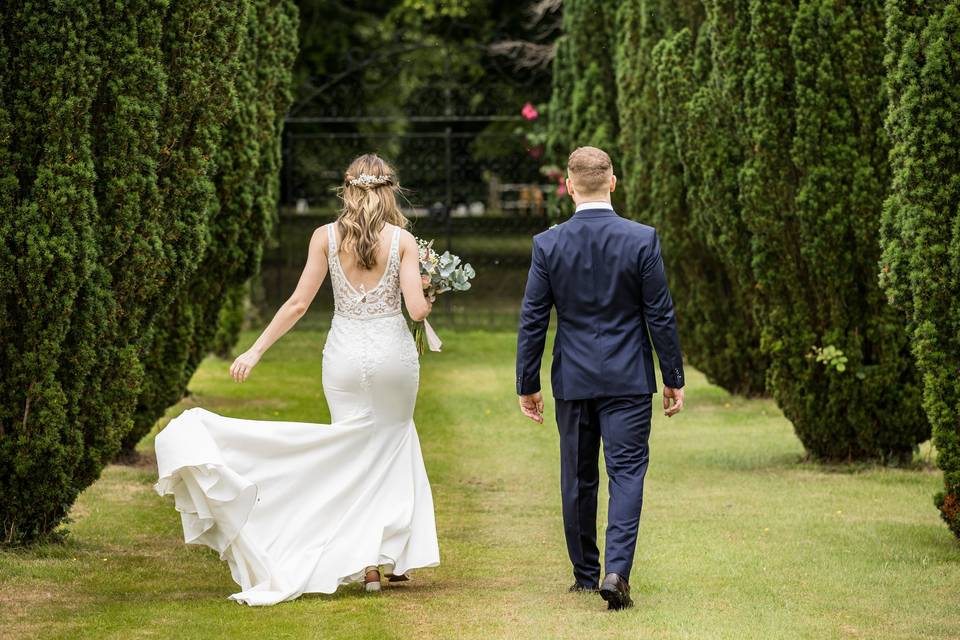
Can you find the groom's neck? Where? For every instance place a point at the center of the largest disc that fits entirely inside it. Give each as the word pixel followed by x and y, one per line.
pixel 598 198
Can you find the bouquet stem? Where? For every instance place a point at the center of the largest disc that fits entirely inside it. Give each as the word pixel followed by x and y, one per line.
pixel 418 336
pixel 424 335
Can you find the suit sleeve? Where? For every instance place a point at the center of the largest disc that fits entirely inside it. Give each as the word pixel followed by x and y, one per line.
pixel 534 320
pixel 659 315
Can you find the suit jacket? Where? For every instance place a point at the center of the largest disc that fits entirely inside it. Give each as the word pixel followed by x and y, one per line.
pixel 604 275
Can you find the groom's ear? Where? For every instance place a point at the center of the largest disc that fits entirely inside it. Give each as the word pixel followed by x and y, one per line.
pixel 613 183
pixel 569 184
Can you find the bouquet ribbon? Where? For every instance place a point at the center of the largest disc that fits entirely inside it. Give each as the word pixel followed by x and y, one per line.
pixel 433 340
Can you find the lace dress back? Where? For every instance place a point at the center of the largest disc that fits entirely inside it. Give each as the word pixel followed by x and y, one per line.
pixel 381 301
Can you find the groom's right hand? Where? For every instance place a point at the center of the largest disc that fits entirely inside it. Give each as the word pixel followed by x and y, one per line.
pixel 532 406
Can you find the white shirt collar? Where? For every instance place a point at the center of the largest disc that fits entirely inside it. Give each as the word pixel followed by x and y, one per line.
pixel 593 205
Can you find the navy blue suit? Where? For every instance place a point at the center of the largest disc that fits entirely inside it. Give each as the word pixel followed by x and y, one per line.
pixel 604 275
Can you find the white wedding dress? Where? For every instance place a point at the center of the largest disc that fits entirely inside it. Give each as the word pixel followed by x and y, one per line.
pixel 297 507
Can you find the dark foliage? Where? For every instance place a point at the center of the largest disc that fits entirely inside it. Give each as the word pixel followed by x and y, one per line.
pixel 921 217
pixel 762 157
pixel 113 152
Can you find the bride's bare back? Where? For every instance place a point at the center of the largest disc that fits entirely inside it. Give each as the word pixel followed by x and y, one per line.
pixel 357 275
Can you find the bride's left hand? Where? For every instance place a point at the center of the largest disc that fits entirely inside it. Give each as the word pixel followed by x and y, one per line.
pixel 241 367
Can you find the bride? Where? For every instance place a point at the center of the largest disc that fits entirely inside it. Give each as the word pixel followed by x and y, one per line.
pixel 296 507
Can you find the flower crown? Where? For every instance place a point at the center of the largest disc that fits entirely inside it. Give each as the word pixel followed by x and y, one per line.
pixel 367 180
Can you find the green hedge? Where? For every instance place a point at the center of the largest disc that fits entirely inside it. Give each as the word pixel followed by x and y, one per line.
pixel 813 185
pixel 583 104
pixel 680 172
pixel 80 263
pixel 241 204
pixel 760 154
pixel 111 124
pixel 230 322
pixel 921 217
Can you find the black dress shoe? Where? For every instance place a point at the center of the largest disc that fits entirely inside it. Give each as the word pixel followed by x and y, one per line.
pixel 616 592
pixel 579 588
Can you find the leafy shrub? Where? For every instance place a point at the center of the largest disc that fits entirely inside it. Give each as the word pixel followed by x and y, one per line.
pixel 238 201
pixel 680 181
pixel 111 131
pixel 583 104
pixel 605 94
pixel 766 157
pixel 921 217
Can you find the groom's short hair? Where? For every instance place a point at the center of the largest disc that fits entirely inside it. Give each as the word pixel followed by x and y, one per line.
pixel 590 169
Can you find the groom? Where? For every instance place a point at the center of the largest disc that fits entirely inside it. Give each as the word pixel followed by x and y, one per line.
pixel 604 276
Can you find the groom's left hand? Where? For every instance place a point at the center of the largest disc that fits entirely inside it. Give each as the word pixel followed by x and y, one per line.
pixel 672 401
pixel 532 406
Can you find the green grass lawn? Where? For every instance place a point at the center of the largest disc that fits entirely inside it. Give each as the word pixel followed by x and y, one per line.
pixel 739 538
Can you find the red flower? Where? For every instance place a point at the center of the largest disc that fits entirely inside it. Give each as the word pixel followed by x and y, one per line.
pixel 529 112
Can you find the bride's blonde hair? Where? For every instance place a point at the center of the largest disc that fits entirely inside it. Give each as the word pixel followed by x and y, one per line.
pixel 369 195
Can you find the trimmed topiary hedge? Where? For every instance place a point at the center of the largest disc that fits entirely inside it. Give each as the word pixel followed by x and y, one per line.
pixel 921 217
pixel 815 260
pixel 110 126
pixel 240 201
pixel 763 151
pixel 82 259
pixel 680 173
pixel 583 104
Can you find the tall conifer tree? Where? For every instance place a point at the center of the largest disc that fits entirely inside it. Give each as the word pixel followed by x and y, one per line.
pixel 680 176
pixel 239 205
pixel 921 217
pixel 583 106
pixel 107 187
pixel 767 156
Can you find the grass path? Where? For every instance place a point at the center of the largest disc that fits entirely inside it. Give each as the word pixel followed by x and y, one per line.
pixel 739 539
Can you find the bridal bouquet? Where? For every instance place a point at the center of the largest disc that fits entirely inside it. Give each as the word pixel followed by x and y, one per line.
pixel 440 273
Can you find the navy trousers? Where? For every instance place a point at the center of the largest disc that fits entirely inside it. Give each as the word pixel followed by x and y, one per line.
pixel 623 426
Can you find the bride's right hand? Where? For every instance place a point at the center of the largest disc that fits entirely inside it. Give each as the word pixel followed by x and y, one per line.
pixel 241 367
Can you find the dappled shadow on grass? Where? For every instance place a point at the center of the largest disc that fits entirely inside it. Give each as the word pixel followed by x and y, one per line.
pixel 917 464
pixel 64 547
pixel 912 543
pixel 138 459
pixel 420 586
pixel 738 461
